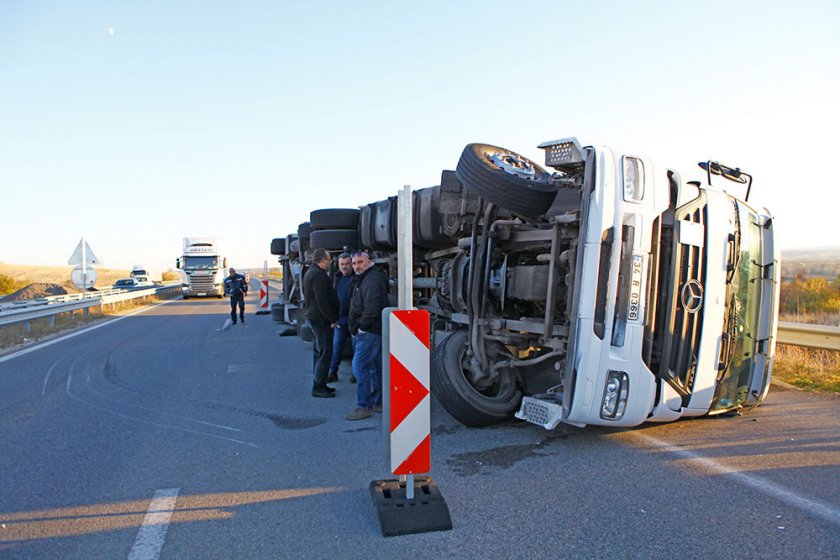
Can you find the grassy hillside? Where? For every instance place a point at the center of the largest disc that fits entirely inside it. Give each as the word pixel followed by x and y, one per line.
pixel 24 275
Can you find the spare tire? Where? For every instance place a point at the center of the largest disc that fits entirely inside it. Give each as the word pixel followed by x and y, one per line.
pixel 506 178
pixel 337 239
pixel 334 218
pixel 278 246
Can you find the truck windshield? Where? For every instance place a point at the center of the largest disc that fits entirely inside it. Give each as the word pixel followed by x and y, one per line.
pixel 201 263
pixel 743 297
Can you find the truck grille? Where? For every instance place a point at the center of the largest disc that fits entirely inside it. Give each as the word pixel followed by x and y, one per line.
pixel 673 338
pixel 202 283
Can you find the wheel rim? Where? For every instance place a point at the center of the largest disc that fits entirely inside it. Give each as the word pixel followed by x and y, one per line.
pixel 499 390
pixel 512 164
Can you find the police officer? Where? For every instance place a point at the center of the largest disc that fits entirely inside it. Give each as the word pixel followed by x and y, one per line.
pixel 237 288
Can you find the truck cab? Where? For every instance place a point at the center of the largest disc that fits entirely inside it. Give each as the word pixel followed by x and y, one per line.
pixel 604 289
pixel 202 267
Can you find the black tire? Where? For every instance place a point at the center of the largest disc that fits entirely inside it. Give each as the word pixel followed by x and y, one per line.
pixel 464 402
pixel 334 239
pixel 365 227
pixel 304 231
pixel 526 192
pixel 278 246
pixel 334 218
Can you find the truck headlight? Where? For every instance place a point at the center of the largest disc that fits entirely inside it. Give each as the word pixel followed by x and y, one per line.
pixel 615 395
pixel 634 179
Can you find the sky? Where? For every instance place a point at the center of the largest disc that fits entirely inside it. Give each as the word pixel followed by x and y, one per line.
pixel 135 124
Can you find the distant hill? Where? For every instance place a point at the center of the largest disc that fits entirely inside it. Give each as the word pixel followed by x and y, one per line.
pixel 820 261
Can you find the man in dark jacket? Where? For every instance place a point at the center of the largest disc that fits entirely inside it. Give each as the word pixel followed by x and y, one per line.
pixel 237 288
pixel 342 284
pixel 321 312
pixel 369 296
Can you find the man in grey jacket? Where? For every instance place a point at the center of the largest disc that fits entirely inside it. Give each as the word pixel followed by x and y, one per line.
pixel 321 312
pixel 368 297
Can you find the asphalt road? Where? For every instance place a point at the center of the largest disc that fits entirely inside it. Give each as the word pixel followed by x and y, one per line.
pixel 217 426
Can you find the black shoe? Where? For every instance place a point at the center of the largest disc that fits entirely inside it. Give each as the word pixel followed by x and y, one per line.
pixel 328 388
pixel 234 322
pixel 352 378
pixel 332 378
pixel 242 319
pixel 322 393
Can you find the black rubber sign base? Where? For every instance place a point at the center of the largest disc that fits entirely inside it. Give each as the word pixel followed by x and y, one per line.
pixel 400 516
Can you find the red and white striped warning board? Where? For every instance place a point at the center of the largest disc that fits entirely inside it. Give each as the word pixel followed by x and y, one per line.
pixel 264 295
pixel 410 399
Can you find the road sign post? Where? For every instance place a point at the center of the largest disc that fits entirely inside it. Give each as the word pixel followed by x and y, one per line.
pixel 83 276
pixel 407 411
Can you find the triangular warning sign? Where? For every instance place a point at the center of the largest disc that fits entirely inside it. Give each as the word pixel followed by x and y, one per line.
pixel 89 257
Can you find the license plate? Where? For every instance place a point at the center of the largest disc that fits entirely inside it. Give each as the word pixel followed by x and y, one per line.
pixel 202 294
pixel 635 302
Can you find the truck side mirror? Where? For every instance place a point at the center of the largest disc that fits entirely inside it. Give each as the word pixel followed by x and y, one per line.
pixel 178 264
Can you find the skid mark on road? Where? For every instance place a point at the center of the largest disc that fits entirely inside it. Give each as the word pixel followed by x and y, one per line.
pixel 47 377
pixel 280 420
pixel 73 395
pixel 811 506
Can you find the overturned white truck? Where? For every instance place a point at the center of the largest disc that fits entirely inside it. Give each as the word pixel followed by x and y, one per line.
pixel 609 291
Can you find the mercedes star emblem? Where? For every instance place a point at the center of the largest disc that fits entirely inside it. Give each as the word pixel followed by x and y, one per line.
pixel 691 296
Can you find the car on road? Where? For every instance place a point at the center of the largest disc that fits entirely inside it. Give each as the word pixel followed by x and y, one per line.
pixel 126 283
pixel 143 281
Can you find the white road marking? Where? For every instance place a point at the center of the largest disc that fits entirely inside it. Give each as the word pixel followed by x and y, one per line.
pixel 821 509
pixel 77 333
pixel 153 531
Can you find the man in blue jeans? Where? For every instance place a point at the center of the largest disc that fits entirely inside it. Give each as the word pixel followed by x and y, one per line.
pixel 368 297
pixel 342 283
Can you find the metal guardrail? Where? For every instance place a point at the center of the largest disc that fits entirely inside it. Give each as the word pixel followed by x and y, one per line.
pixel 22 311
pixel 810 336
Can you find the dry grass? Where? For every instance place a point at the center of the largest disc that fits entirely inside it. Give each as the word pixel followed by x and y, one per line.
pixel 25 274
pixel 14 337
pixel 812 369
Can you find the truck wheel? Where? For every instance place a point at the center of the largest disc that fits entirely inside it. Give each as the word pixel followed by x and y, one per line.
pixel 506 178
pixel 334 239
pixel 334 218
pixel 470 405
pixel 292 245
pixel 278 246
pixel 365 226
pixel 304 232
